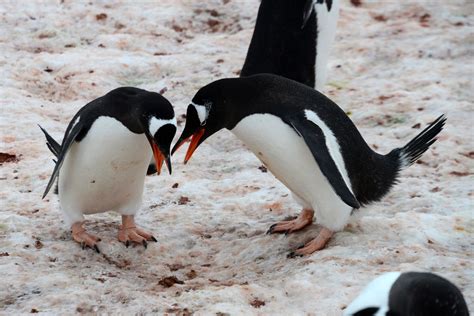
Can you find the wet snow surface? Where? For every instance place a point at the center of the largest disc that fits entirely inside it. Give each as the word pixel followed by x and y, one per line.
pixel 395 67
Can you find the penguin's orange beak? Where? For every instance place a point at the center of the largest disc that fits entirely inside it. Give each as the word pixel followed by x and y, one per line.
pixel 195 138
pixel 159 157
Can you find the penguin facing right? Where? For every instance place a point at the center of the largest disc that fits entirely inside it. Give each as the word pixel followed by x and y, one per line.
pixel 307 142
pixel 102 161
pixel 409 294
pixel 293 38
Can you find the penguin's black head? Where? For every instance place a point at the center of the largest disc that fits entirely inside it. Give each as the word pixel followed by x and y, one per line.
pixel 409 293
pixel 159 124
pixel 205 116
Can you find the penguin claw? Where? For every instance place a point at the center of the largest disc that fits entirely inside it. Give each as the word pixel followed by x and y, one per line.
pixel 81 236
pixel 289 226
pixel 130 234
pixel 85 245
pixel 270 230
pixel 293 255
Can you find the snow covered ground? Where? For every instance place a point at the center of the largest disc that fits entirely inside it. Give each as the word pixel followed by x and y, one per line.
pixel 396 65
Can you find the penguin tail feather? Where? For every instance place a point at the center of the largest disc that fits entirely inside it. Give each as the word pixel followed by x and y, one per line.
pixel 53 145
pixel 411 152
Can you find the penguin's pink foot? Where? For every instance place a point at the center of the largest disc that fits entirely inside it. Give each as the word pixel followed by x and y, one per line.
pixel 129 233
pixel 304 219
pixel 316 244
pixel 80 235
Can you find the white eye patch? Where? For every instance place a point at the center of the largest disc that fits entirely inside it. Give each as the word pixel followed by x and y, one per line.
pixel 155 124
pixel 202 111
pixel 375 294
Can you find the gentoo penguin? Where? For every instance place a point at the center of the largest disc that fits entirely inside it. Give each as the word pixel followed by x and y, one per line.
pixel 292 38
pixel 407 294
pixel 307 142
pixel 103 159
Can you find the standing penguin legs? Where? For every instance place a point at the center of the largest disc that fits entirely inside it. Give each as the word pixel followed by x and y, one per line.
pixel 128 232
pixel 305 218
pixel 316 244
pixel 80 235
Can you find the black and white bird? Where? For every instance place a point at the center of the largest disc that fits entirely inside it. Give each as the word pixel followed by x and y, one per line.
pixel 293 38
pixel 102 161
pixel 307 142
pixel 409 294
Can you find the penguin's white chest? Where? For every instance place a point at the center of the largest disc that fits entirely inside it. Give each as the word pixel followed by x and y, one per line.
pixel 105 170
pixel 290 160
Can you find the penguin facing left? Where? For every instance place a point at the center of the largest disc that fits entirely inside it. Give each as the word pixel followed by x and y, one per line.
pixel 409 293
pixel 103 159
pixel 307 142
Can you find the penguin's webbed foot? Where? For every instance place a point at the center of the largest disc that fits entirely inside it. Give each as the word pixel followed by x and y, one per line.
pixel 316 244
pixel 80 235
pixel 130 234
pixel 304 219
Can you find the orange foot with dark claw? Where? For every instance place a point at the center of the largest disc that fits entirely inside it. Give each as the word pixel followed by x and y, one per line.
pixel 316 244
pixel 303 220
pixel 80 235
pixel 129 233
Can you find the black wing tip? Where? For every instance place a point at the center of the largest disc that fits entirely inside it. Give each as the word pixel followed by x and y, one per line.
pixel 352 201
pixel 52 144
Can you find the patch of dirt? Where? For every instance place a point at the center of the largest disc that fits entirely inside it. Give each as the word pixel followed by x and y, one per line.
pixel 356 3
pixel 6 157
pixel 170 281
pixel 183 200
pixel 257 303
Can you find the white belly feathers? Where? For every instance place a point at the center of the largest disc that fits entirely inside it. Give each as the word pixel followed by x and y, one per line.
pixel 105 170
pixel 290 160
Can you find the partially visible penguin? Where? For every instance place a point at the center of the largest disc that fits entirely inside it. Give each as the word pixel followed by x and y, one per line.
pixel 409 294
pixel 102 161
pixel 307 142
pixel 293 38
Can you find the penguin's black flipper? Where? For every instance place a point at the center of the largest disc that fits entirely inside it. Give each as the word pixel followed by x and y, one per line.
pixel 316 141
pixel 67 142
pixel 51 143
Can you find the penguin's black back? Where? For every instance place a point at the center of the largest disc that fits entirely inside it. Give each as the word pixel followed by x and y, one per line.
pixel 280 45
pixel 124 104
pixel 426 294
